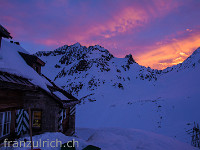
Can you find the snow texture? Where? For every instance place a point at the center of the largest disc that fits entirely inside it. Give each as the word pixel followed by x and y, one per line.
pixel 118 92
pixel 109 139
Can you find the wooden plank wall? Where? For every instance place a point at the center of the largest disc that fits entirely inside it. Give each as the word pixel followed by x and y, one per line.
pixel 10 98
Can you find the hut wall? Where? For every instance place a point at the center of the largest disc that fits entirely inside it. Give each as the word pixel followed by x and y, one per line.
pixel 49 108
pixel 10 99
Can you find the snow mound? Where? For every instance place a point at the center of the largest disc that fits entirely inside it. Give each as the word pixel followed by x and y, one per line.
pixel 109 139
pixel 130 139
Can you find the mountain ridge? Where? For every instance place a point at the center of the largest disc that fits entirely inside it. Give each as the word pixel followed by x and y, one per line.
pixel 63 49
pixel 77 60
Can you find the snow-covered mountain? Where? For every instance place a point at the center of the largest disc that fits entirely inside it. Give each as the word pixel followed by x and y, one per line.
pixel 76 67
pixel 118 92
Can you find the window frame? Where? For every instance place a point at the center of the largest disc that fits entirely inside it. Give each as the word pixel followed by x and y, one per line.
pixel 32 119
pixel 5 122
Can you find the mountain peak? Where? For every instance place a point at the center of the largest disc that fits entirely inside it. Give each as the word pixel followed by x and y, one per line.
pixel 76 45
pixel 98 46
pixel 197 51
pixel 130 59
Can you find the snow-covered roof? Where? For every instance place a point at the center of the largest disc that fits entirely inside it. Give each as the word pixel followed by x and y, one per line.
pixel 12 63
pixel 6 77
pixel 60 95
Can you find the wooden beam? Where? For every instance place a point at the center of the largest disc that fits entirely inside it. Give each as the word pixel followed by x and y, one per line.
pixel 30 126
pixel 0 41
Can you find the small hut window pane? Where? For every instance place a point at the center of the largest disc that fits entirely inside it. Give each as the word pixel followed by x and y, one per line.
pixel 8 117
pixel 8 128
pixel 5 117
pixel 1 118
pixel 1 123
pixel 1 133
pixel 4 129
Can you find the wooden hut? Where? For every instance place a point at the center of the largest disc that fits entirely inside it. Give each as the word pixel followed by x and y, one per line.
pixel 52 108
pixel 49 111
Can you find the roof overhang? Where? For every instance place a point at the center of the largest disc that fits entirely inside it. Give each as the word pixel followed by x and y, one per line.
pixel 4 32
pixel 30 59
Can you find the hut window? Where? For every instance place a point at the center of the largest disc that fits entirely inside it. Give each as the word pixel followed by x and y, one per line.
pixel 37 119
pixel 37 69
pixel 5 121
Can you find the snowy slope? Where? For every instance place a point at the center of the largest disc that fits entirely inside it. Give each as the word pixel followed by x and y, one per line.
pixel 130 139
pixel 107 139
pixel 118 92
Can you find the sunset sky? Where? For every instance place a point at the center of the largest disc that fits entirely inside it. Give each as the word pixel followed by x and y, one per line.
pixel 158 33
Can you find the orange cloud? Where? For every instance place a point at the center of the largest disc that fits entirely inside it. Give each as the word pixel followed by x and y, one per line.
pixel 172 53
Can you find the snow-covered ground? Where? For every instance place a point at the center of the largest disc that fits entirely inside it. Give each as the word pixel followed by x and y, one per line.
pixel 170 106
pixel 107 139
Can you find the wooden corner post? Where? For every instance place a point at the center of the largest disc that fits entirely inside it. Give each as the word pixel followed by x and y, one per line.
pixel 30 127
